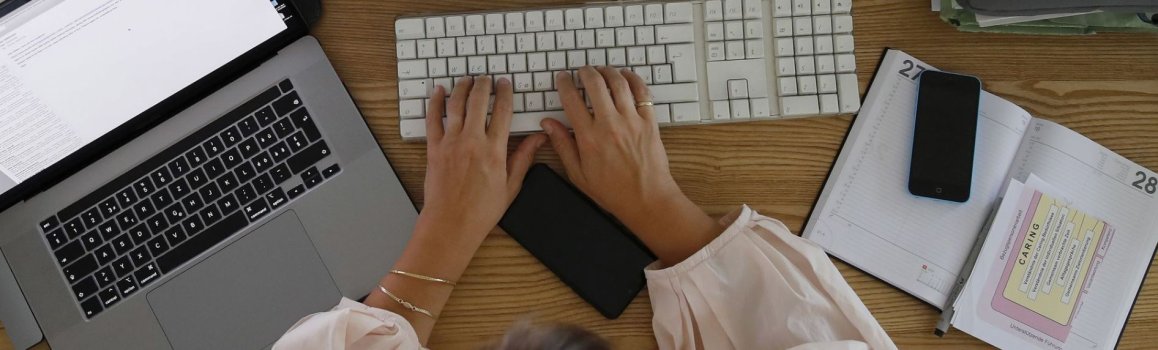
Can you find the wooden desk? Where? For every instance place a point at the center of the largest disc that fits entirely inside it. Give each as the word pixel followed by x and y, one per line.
pixel 1103 86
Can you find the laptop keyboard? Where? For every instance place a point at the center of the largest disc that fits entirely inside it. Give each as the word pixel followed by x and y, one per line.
pixel 189 197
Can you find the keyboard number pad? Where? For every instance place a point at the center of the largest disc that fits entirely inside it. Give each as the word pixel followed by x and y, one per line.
pixel 813 49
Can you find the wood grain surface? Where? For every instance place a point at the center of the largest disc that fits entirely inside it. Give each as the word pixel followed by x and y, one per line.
pixel 1104 86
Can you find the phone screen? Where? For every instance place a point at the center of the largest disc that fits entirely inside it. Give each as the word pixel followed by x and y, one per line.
pixel 945 136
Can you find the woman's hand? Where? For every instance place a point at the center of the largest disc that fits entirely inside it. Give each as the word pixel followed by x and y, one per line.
pixel 616 157
pixel 470 180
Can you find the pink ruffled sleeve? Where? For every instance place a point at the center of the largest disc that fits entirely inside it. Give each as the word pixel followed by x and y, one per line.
pixel 351 326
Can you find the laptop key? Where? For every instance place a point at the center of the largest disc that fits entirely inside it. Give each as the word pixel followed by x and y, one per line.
pixel 296 191
pixel 91 218
pixel 85 288
pixel 49 224
pixel 140 233
pixel 143 209
pixel 308 157
pixel 123 267
pixel 104 254
pixel 109 296
pixel 91 240
pixel 80 268
pixel 69 252
pixel 192 225
pixel 161 177
pixel 122 244
pixel 210 192
pixel 56 238
pixel 312 181
pixel 228 204
pixel 266 138
pixel 175 235
pixel 213 146
pixel 196 178
pixel 244 172
pixel 201 242
pixel 175 213
pixel 311 172
pixel 283 128
pixel 196 157
pixel 276 198
pixel 263 183
pixel 144 187
pixel 192 203
pixel 126 197
pixel 140 256
pixel 248 126
pixel 279 152
pixel 91 307
pixel 214 168
pixel 230 136
pixel 256 210
pixel 248 148
pixel 303 120
pixel 262 162
pixel 287 103
pixel 210 214
pixel 127 285
pixel 162 198
pixel 280 173
pixel 127 218
pixel 109 208
pixel 265 116
pixel 108 229
pixel 105 276
pixel 227 182
pixel 331 171
pixel 285 86
pixel 297 141
pixel 157 245
pixel 158 223
pixel 146 274
pixel 74 228
pixel 245 194
pixel 179 188
pixel 178 167
pixel 231 158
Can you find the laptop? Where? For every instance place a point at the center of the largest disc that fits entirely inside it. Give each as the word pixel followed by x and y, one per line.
pixel 181 175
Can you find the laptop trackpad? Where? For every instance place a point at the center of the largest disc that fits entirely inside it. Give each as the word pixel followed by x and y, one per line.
pixel 248 294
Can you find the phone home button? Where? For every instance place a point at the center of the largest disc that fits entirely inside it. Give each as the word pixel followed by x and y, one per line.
pixel 938 190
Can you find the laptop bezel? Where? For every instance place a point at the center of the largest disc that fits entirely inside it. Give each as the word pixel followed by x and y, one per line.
pixel 296 28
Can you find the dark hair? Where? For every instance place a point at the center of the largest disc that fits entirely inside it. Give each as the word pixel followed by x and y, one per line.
pixel 524 336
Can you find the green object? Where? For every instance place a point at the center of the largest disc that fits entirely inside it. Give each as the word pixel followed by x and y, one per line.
pixel 1084 24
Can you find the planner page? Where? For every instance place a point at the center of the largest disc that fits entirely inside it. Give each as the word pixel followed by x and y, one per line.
pixel 866 216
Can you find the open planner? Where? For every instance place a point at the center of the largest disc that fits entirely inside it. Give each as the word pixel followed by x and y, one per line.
pixel 1080 287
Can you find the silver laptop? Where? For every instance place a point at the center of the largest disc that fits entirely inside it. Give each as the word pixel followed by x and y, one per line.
pixel 181 174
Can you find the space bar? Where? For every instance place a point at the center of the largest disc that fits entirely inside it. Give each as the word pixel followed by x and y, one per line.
pixel 201 242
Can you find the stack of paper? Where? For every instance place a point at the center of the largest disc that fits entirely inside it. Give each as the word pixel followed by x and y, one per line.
pixel 1052 23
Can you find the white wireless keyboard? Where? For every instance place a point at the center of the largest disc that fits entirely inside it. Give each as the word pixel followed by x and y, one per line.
pixel 705 61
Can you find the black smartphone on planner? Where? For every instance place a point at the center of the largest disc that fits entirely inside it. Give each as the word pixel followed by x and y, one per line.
pixel 587 248
pixel 945 136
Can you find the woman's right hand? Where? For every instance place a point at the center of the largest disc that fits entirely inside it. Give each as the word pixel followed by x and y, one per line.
pixel 616 158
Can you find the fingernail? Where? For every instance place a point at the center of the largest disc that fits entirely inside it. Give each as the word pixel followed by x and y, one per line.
pixel 547 127
pixel 563 75
pixel 504 81
pixel 465 79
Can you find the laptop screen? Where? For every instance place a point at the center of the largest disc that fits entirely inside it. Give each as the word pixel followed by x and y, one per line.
pixel 72 71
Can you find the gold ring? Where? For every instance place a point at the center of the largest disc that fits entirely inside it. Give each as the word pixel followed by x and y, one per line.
pixel 644 103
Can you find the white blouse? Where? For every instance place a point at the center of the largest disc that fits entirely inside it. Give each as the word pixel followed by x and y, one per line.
pixel 756 286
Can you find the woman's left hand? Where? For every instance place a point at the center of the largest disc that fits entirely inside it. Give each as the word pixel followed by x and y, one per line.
pixel 470 179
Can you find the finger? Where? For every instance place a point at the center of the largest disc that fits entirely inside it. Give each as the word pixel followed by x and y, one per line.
pixel 434 116
pixel 564 145
pixel 641 93
pixel 597 91
pixel 573 105
pixel 500 127
pixel 456 108
pixel 620 90
pixel 520 161
pixel 476 106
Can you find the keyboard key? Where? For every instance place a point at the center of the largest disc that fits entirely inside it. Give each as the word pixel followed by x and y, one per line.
pixel 85 288
pixel 122 244
pixel 331 171
pixel 200 242
pixel 195 157
pixel 266 137
pixel 196 178
pixel 108 229
pixel 296 191
pixel 127 218
pixel 157 223
pixel 214 168
pixel 276 198
pixel 140 256
pixel 297 141
pixel 175 235
pixel 126 197
pixel 213 146
pixel 265 116
pixel 104 254
pixel 70 253
pixel 80 268
pixel 245 194
pixel 91 307
pixel 105 276
pixel 653 14
pixel 57 238
pixel 227 182
pixel 409 28
pixel 263 183
pixel 146 275
pixel 313 181
pixel 162 198
pixel 127 285
pixel 123 267
pixel 143 209
pixel 244 172
pixel 210 214
pixel 228 204
pixel 230 158
pixel 311 172
pixel 283 127
pixel 158 246
pixel 678 12
pixel 308 157
pixel 284 105
pixel 140 233
pixel 108 208
pixel 192 203
pixel 280 173
pixel 109 296
pixel 91 240
pixel 192 224
pixel 279 152
pixel 210 192
pixel 248 126
pixel 248 148
pixel 256 209
pixel 174 214
pixel 91 218
pixel 74 228
pixel 179 188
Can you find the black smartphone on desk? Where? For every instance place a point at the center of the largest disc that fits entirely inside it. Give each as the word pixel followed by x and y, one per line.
pixel 587 248
pixel 945 136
